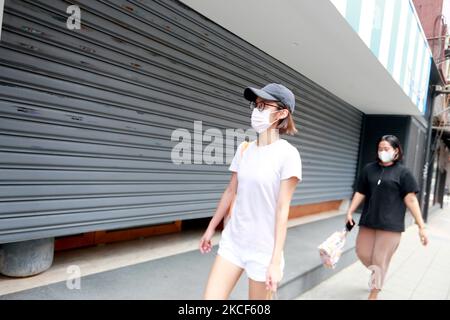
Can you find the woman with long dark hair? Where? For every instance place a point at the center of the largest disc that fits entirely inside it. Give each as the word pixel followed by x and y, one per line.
pixel 387 188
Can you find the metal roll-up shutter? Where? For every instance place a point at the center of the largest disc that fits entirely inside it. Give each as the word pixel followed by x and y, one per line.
pixel 86 116
pixel 414 147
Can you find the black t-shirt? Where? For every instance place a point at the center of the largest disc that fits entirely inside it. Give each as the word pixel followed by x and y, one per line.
pixel 384 206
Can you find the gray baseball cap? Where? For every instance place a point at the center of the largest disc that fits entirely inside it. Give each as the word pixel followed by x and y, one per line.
pixel 272 92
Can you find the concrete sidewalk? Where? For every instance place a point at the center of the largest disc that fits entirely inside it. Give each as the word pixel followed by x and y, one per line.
pixel 171 267
pixel 416 272
pixel 140 270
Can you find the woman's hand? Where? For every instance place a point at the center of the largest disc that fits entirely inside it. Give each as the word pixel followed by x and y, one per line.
pixel 205 241
pixel 423 236
pixel 349 218
pixel 273 277
pixel 412 203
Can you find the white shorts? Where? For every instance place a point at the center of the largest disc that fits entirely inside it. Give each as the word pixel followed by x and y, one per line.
pixel 255 264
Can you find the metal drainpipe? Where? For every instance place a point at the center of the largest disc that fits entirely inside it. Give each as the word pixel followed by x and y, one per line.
pixel 426 168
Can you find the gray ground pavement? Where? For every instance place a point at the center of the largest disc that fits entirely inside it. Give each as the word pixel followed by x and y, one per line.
pixel 415 273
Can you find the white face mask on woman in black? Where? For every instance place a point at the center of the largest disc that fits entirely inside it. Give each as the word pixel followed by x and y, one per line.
pixel 386 156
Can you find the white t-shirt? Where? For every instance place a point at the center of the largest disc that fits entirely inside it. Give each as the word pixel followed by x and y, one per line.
pixel 259 172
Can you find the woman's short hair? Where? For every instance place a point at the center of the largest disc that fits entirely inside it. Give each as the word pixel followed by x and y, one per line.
pixel 394 142
pixel 286 125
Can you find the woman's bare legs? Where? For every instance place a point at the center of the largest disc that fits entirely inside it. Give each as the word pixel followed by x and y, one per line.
pixel 256 290
pixel 373 295
pixel 375 249
pixel 365 243
pixel 386 243
pixel 222 279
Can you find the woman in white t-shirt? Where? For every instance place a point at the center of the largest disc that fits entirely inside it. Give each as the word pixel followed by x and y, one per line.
pixel 264 178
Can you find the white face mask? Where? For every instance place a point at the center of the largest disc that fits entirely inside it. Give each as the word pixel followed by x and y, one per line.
pixel 386 156
pixel 261 120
